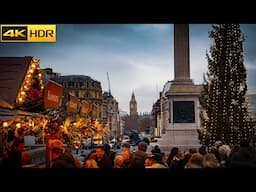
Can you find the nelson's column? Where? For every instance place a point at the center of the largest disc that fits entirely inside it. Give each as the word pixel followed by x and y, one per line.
pixel 182 96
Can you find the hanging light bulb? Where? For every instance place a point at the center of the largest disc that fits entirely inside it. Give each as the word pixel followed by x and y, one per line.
pixel 5 124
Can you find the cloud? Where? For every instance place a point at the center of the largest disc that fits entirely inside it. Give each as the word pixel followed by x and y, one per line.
pixel 152 28
pixel 137 57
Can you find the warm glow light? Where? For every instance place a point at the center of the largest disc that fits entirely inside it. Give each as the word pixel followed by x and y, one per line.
pixel 23 93
pixel 20 99
pixel 33 65
pixel 18 125
pixel 5 124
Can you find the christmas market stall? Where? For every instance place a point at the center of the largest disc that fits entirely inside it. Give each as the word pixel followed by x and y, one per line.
pixel 21 98
pixel 33 111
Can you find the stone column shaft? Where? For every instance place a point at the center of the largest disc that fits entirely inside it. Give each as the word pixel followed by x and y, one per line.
pixel 181 52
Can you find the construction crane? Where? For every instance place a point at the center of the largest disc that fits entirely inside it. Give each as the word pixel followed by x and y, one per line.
pixel 109 92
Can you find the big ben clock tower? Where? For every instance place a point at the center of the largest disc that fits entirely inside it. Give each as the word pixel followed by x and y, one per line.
pixel 133 106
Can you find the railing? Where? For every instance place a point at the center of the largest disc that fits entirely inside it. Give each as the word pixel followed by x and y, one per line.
pixel 38 155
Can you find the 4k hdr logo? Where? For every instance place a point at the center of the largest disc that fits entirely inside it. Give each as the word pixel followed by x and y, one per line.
pixel 28 33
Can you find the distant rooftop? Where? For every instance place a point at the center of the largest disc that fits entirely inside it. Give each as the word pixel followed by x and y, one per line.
pixel 75 77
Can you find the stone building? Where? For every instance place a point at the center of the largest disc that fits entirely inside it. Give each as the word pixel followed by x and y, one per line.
pixel 110 114
pixel 140 122
pixel 82 87
pixel 133 106
pixel 156 115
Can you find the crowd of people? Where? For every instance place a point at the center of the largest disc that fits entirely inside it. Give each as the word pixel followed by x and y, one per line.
pixel 218 156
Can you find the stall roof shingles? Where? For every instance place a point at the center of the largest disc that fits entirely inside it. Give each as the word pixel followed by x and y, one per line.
pixel 12 73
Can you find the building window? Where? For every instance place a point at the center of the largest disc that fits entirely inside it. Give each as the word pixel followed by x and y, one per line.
pixel 80 94
pixel 71 84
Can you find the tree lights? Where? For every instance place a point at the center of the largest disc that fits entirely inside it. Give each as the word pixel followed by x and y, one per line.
pixel 223 98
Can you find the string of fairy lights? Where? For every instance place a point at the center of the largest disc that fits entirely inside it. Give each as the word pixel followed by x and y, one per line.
pixel 32 72
pixel 39 125
pixel 227 117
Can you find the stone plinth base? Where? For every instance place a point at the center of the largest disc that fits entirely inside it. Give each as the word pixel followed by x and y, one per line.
pixel 184 139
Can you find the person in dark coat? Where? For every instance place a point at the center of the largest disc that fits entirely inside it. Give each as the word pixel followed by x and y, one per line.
pixel 110 153
pixel 61 158
pixel 102 159
pixel 14 154
pixel 245 157
pixel 172 158
pixel 139 156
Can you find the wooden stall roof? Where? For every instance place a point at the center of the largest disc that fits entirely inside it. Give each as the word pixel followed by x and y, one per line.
pixel 12 73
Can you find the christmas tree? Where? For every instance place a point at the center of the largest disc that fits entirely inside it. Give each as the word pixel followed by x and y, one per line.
pixel 224 103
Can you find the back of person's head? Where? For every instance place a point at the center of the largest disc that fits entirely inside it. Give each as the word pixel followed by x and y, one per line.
pixel 146 140
pixel 157 157
pixel 126 145
pixel 118 161
pixel 91 155
pixel 142 146
pixel 195 161
pixel 91 163
pixel 156 149
pixel 210 161
pixel 203 150
pixel 174 152
pixel 193 150
pixel 56 146
pixel 107 148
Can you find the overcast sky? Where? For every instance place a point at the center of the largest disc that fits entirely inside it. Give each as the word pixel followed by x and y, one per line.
pixel 138 57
